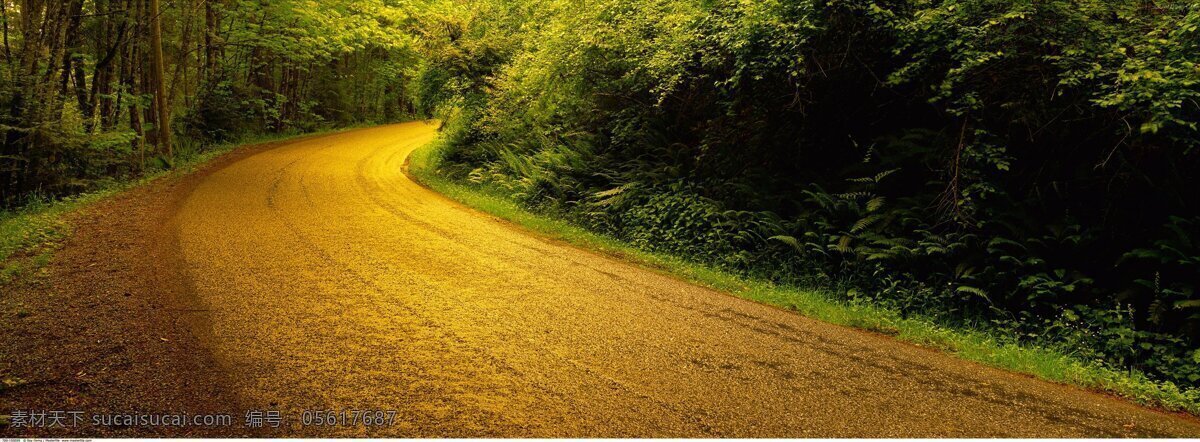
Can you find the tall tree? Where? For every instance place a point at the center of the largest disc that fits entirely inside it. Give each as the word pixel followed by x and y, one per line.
pixel 161 100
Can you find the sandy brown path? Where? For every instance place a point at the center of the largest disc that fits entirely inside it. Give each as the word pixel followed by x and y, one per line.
pixel 110 326
pixel 314 275
pixel 336 282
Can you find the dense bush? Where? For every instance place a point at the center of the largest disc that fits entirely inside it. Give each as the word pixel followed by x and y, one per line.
pixel 1024 166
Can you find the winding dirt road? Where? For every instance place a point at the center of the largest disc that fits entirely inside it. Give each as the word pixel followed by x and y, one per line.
pixel 334 281
pixel 323 278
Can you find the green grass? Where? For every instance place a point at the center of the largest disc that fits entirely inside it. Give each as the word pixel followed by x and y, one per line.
pixel 29 235
pixel 973 345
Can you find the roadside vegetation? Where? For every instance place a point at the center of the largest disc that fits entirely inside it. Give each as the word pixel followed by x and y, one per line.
pixel 979 344
pixel 1016 176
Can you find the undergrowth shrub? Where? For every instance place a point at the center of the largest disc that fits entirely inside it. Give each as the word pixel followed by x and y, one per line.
pixel 1023 167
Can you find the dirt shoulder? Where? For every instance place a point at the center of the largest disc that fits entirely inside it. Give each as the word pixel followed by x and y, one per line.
pixel 109 325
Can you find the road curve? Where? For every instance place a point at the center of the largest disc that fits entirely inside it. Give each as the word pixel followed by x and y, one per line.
pixel 332 281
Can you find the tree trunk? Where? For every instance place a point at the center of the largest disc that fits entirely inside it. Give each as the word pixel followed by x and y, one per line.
pixel 112 37
pixel 162 101
pixel 72 61
pixel 130 71
pixel 211 54
pixel 4 24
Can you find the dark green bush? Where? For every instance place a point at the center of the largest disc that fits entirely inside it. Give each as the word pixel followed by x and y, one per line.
pixel 1023 166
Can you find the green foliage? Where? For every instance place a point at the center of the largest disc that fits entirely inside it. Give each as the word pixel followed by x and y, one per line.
pixel 78 108
pixel 980 162
pixel 428 164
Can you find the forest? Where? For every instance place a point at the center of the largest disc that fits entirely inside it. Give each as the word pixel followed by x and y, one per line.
pixel 1027 168
pixel 95 90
